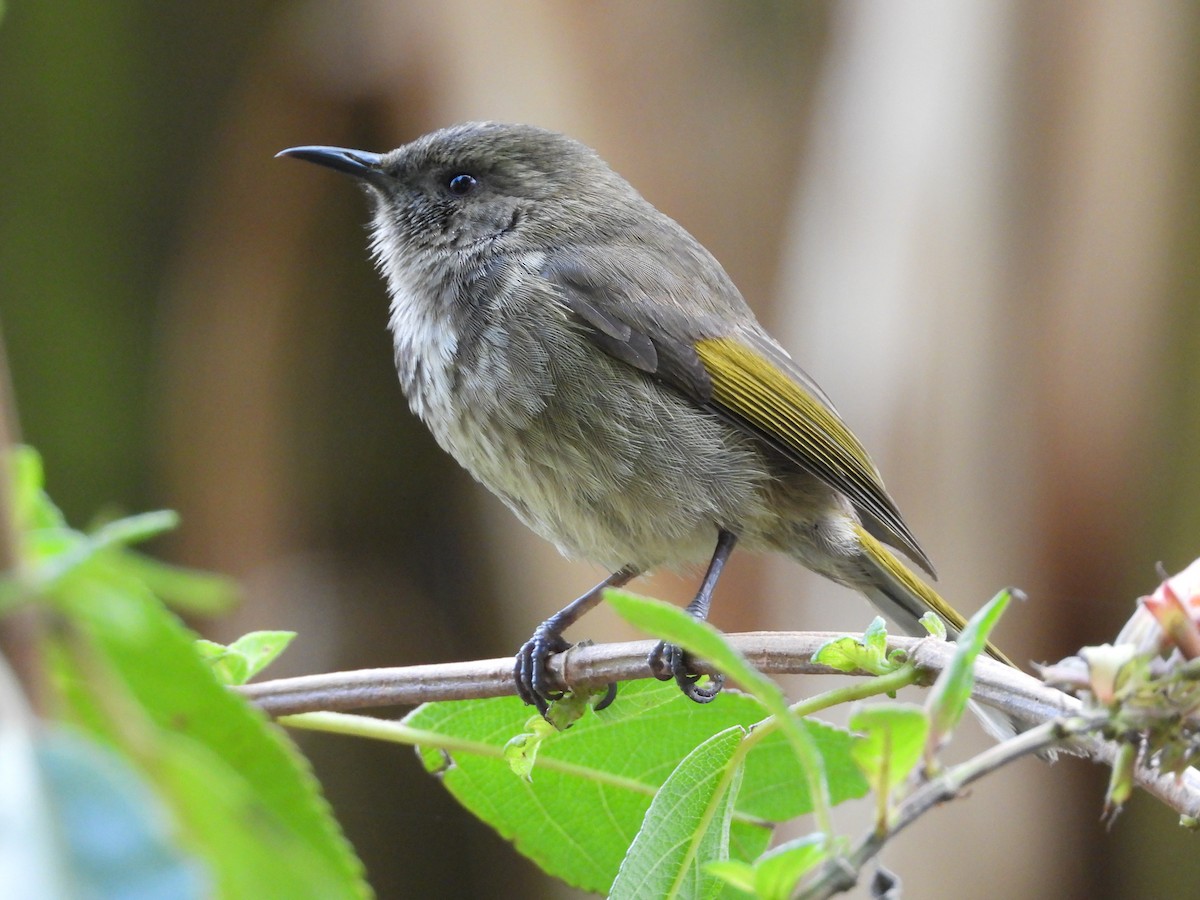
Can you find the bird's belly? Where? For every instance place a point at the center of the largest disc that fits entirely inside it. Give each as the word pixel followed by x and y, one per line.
pixel 619 472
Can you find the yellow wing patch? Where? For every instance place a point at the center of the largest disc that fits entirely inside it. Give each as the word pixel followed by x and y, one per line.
pixel 775 405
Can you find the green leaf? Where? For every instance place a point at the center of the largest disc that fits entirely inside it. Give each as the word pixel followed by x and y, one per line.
pixel 1120 782
pixel 77 549
pixel 584 800
pixel 241 793
pixel 702 640
pixel 585 795
pixel 948 697
pixel 865 654
pixel 686 826
pixel 187 590
pixel 778 872
pixel 78 820
pixel 670 623
pixel 134 529
pixel 261 648
pixel 775 875
pixel 229 666
pixel 933 623
pixel 31 507
pixel 245 657
pixel 521 750
pixel 568 710
pixel 734 872
pixel 773 785
pixel 892 737
pixel 238 793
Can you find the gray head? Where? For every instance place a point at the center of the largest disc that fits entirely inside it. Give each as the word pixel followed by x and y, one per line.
pixel 485 185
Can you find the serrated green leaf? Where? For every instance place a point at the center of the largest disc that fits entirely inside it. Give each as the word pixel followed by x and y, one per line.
pixel 591 785
pixel 686 826
pixel 948 697
pixel 702 640
pixel 774 787
pixel 891 738
pixel 243 795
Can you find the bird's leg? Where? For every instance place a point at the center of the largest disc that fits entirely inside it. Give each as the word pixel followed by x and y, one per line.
pixel 529 670
pixel 668 660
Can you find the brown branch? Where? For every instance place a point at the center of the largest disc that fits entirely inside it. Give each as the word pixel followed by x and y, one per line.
pixel 772 652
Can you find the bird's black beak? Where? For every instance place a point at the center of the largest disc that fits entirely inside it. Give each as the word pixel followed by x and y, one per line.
pixel 359 163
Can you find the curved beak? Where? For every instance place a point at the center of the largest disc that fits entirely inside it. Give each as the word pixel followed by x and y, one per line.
pixel 359 163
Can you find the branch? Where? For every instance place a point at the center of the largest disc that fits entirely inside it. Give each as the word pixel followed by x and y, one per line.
pixel 841 875
pixel 771 652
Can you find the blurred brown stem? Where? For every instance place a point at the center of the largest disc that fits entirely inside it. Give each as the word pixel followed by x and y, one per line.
pixel 772 652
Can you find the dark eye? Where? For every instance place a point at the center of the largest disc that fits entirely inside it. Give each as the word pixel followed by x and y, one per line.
pixel 462 184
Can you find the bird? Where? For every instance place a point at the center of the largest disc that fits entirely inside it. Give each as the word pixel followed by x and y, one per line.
pixel 587 360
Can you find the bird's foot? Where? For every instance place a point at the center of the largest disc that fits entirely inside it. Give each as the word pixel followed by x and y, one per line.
pixel 529 668
pixel 669 661
pixel 532 678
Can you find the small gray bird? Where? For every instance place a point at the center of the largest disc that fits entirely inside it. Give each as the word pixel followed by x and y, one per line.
pixel 588 361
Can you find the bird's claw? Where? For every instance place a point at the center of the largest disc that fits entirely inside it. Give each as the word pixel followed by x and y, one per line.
pixel 529 668
pixel 532 678
pixel 669 661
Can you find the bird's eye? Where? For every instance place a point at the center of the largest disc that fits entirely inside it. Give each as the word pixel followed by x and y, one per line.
pixel 462 184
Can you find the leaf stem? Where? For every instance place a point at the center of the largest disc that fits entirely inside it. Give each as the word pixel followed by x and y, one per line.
pixel 399 733
pixel 902 677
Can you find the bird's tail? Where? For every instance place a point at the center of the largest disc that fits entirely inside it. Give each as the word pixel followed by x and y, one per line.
pixel 904 598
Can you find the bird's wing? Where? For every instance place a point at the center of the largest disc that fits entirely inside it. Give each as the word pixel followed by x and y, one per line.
pixel 742 376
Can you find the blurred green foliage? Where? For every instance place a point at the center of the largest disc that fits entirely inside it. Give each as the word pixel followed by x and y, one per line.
pixel 202 786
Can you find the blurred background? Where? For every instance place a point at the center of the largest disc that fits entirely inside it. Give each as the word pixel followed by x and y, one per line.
pixel 974 223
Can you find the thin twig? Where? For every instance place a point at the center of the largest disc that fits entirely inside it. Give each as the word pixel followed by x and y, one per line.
pixel 772 652
pixel 842 874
